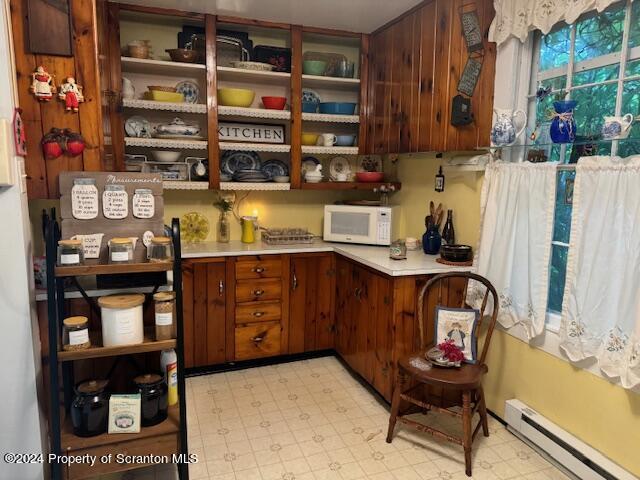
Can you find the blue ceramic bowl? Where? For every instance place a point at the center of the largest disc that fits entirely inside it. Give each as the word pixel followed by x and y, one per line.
pixel 345 140
pixel 338 108
pixel 309 107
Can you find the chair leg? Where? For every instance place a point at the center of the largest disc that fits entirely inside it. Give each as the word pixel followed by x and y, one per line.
pixel 395 405
pixel 483 413
pixel 466 429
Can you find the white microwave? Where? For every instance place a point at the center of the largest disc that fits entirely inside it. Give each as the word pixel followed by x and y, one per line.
pixel 359 224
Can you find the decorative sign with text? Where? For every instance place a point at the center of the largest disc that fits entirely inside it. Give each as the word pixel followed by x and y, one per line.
pixel 248 132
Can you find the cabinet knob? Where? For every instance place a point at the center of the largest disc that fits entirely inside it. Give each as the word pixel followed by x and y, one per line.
pixel 258 338
pixel 257 269
pixel 258 314
pixel 258 292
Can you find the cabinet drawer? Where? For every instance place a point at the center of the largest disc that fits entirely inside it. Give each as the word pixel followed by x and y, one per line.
pixel 258 290
pixel 258 268
pixel 257 340
pixel 258 312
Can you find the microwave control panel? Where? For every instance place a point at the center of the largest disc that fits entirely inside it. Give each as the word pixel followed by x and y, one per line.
pixel 384 227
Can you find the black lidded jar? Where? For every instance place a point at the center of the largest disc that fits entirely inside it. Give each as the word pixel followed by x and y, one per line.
pixel 90 408
pixel 153 398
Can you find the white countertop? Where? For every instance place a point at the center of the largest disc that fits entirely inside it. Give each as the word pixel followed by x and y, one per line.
pixel 417 263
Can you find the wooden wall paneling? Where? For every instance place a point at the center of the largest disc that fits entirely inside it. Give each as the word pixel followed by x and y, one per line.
pixel 85 37
pixel 458 56
pixel 296 106
pixel 250 22
pixel 406 81
pixel 285 317
pixel 389 42
pixel 443 40
pixel 395 94
pixel 365 107
pixel 210 23
pixel 231 308
pixel 35 166
pixel 200 336
pixel 377 98
pixel 416 62
pixel 426 120
pixel 325 327
pixel 114 94
pixel 187 313
pixel 216 333
pixel 171 12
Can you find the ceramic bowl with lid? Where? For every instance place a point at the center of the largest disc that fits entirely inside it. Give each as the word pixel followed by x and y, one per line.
pixel 90 408
pixel 153 398
pixel 121 317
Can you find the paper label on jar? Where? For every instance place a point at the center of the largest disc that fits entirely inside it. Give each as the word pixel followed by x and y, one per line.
pixel 143 205
pixel 79 337
pixel 115 204
pixel 125 322
pixel 164 318
pixel 119 256
pixel 84 202
pixel 90 244
pixel 70 259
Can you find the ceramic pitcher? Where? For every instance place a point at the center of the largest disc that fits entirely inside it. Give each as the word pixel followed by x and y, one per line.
pixel 617 127
pixel 504 130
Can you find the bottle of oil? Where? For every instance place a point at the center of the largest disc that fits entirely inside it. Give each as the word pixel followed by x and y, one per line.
pixel 448 232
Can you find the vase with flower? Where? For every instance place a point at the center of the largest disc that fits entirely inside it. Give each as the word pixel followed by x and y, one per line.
pixel 223 227
pixel 563 125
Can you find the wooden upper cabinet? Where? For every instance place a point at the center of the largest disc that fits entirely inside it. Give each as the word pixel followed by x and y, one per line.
pixel 414 69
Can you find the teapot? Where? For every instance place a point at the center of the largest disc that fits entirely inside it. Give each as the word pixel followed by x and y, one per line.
pixel 504 132
pixel 616 128
pixel 314 176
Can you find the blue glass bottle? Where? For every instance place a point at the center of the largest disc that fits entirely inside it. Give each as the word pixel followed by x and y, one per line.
pixel 431 240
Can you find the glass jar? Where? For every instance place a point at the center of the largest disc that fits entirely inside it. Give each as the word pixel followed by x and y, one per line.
pixel 75 333
pixel 224 230
pixel 120 250
pixel 164 303
pixel 70 252
pixel 143 203
pixel 115 202
pixel 90 408
pixel 398 250
pixel 84 198
pixel 154 398
pixel 160 249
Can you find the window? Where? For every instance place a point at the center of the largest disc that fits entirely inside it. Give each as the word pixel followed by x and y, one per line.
pixel 597 62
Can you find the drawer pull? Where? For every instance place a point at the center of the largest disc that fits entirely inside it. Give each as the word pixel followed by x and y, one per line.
pixel 259 338
pixel 257 269
pixel 258 314
pixel 221 287
pixel 294 282
pixel 258 292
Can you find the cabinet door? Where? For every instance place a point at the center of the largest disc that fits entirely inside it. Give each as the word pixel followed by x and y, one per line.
pixel 311 301
pixel 204 312
pixel 344 305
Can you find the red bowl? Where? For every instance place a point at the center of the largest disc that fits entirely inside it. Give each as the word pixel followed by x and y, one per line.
pixel 274 103
pixel 369 177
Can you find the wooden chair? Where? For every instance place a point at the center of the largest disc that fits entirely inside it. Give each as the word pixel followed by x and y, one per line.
pixel 440 389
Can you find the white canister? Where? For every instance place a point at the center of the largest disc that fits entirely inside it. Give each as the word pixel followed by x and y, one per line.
pixel 121 317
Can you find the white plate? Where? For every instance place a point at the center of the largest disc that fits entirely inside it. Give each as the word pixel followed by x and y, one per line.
pixel 138 127
pixel 339 165
pixel 190 91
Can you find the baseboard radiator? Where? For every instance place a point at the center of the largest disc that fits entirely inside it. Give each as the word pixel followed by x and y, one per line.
pixel 572 454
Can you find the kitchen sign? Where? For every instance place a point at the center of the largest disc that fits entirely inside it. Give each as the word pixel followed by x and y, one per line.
pixel 249 132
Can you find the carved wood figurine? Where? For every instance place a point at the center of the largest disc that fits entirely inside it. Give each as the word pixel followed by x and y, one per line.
pixel 71 93
pixel 42 84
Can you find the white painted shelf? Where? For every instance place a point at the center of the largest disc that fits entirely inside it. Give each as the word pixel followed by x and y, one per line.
pixel 159 67
pixel 336 83
pixel 329 150
pixel 181 185
pixel 264 186
pixel 165 143
pixel 327 118
pixel 229 74
pixel 255 147
pixel 254 113
pixel 165 106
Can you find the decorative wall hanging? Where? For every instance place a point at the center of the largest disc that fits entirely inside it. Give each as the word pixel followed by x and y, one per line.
pixel 42 84
pixel 19 133
pixel 247 132
pixel 59 141
pixel 471 30
pixel 49 26
pixel 469 78
pixel 71 93
pixel 461 111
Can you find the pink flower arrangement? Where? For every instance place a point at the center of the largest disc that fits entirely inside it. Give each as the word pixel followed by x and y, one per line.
pixel 451 351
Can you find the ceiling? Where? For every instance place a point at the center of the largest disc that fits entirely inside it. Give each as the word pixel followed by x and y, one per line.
pixel 353 15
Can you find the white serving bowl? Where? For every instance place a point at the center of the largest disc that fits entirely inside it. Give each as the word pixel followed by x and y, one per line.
pixel 281 179
pixel 165 155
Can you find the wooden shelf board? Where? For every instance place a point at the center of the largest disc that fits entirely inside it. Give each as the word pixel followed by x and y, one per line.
pixel 224 111
pixel 255 76
pixel 185 185
pixel 347 185
pixel 106 269
pixel 320 150
pixel 164 106
pixel 71 442
pixel 258 147
pixel 263 186
pixel 336 83
pixel 155 67
pixel 148 345
pixel 328 118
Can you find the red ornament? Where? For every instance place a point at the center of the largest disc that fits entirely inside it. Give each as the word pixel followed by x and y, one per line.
pixel 451 351
pixel 52 143
pixel 74 143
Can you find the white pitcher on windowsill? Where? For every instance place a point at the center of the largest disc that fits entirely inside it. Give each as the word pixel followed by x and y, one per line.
pixel 504 132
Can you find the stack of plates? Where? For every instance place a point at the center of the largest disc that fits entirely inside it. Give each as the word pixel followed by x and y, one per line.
pixel 250 175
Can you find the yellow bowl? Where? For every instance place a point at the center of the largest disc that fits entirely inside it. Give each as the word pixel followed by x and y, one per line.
pixel 309 138
pixel 235 97
pixel 161 96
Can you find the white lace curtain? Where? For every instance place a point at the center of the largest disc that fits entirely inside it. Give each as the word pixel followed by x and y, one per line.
pixel 601 306
pixel 517 206
pixel 519 17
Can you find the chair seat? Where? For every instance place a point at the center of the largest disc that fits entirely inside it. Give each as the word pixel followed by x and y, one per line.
pixel 467 377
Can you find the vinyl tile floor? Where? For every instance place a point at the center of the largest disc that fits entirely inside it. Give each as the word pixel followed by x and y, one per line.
pixel 312 420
